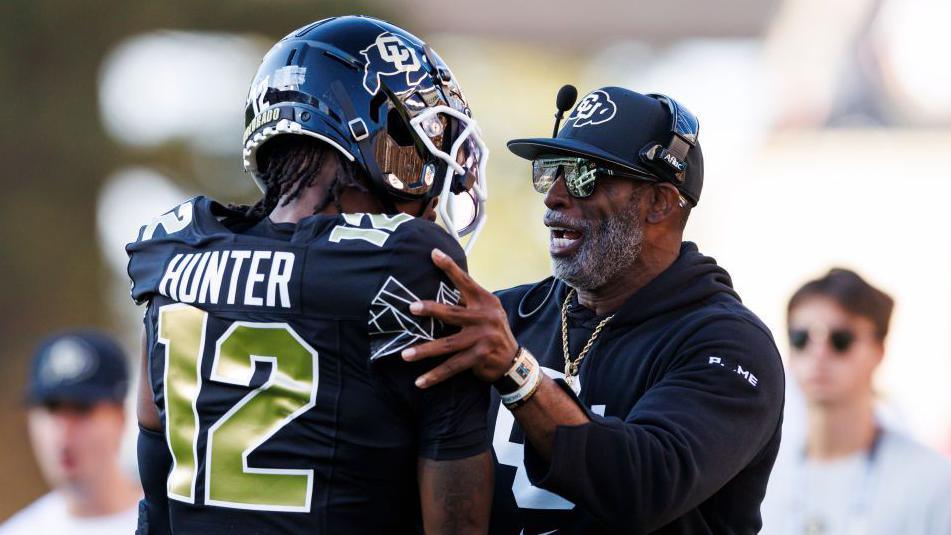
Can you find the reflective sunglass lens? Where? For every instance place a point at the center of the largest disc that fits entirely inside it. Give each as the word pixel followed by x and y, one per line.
pixel 581 182
pixel 543 176
pixel 578 173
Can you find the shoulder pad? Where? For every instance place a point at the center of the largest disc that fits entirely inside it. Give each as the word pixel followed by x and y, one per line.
pixel 170 222
pixel 186 225
pixel 399 230
pixel 376 229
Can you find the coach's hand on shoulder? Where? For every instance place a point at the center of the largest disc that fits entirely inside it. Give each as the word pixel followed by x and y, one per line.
pixel 485 344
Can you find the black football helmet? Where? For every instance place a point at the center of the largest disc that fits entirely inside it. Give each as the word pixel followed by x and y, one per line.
pixel 386 101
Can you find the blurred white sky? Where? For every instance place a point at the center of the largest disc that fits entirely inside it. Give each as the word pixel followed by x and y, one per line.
pixel 789 191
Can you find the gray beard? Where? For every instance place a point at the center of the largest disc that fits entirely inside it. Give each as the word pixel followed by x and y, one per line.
pixel 608 249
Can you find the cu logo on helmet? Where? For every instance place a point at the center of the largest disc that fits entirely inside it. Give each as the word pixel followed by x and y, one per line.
pixel 389 56
pixel 394 51
pixel 595 108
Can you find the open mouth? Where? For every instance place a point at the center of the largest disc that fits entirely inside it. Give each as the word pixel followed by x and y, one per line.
pixel 564 240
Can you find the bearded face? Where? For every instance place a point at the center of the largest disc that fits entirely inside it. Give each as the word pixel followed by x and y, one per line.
pixel 608 246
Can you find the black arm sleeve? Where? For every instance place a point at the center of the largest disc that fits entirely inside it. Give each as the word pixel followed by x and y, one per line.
pixel 710 415
pixel 450 417
pixel 155 462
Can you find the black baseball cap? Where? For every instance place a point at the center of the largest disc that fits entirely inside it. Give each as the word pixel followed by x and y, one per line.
pixel 652 134
pixel 81 367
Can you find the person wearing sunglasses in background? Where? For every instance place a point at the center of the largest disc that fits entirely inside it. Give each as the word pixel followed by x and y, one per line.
pixel 853 474
pixel 634 393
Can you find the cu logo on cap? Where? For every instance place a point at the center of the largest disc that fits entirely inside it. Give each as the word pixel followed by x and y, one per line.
pixel 595 108
pixel 68 361
pixel 390 56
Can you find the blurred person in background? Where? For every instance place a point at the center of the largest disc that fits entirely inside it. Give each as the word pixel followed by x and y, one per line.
pixel 853 474
pixel 655 403
pixel 76 418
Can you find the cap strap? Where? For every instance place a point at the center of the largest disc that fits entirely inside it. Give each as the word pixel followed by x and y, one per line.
pixel 679 148
pixel 684 127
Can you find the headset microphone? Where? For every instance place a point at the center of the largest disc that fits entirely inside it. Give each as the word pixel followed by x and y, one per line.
pixel 566 98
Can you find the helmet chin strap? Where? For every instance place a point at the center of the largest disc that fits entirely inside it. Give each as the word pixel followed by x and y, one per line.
pixel 365 149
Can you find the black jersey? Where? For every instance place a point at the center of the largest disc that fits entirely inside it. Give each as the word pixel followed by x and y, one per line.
pixel 274 364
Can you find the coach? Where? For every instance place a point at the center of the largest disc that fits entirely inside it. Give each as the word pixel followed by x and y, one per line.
pixel 665 408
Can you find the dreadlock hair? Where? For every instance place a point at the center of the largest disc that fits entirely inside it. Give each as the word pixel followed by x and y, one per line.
pixel 290 164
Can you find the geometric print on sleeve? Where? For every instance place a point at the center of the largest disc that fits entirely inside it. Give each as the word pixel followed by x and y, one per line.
pixel 392 326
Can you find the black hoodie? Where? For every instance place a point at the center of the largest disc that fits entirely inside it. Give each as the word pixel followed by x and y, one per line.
pixel 684 388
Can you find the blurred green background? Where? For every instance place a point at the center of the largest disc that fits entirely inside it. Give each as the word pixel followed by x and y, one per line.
pixel 115 111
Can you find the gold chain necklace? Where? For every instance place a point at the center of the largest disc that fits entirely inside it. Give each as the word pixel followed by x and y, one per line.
pixel 571 366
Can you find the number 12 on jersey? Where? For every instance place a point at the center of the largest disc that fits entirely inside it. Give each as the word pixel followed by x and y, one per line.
pixel 290 390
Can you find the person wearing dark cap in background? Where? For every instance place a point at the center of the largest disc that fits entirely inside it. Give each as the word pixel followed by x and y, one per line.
pixel 76 418
pixel 852 473
pixel 637 393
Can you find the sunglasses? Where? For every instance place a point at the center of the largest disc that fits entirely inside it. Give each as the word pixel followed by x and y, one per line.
pixel 840 339
pixel 580 175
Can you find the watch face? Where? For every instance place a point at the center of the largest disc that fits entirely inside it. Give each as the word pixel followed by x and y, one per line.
pixel 522 371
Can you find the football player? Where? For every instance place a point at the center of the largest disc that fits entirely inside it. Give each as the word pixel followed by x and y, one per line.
pixel 273 397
